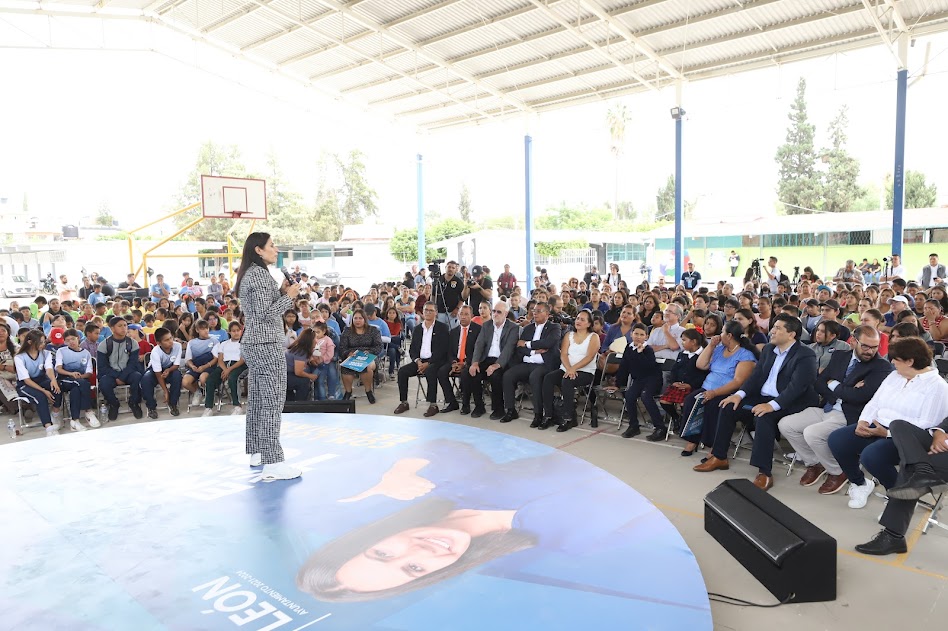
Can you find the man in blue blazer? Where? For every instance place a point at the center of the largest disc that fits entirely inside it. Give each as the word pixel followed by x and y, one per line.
pixel 781 384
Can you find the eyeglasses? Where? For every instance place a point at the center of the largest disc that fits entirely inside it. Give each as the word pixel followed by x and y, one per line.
pixel 867 348
pixel 502 311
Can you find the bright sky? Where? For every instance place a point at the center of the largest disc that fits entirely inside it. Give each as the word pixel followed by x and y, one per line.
pixel 83 127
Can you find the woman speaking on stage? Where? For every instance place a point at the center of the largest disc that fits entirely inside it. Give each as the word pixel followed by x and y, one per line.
pixel 263 303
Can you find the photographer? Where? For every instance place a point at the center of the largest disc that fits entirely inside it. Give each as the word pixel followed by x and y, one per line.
pixel 447 292
pixel 477 290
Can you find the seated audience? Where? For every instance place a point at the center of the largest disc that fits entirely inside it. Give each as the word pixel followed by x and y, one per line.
pixel 428 352
pixel 536 354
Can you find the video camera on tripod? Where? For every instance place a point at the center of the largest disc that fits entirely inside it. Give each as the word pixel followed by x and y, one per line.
pixel 434 267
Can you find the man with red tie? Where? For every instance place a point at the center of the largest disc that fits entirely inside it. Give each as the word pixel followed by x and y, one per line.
pixel 461 348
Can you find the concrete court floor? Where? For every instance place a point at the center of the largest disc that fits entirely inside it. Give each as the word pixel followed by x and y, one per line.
pixel 896 591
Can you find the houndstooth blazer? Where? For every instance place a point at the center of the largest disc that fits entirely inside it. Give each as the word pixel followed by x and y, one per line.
pixel 263 306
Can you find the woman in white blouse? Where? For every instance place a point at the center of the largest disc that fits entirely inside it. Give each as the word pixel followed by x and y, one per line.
pixel 915 393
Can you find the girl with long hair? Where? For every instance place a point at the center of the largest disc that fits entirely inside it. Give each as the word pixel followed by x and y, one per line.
pixel 7 369
pixel 299 381
pixel 264 303
pixel 36 380
pixel 749 322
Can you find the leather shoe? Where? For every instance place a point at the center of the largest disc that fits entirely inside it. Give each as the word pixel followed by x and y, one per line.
pixel 883 543
pixel 402 407
pixel 537 421
pixel 496 415
pixel 833 483
pixel 918 484
pixel 431 411
pixel 712 464
pixel 451 407
pixel 632 430
pixel 594 416
pixel 478 412
pixel 465 410
pixel 812 475
pixel 509 416
pixel 546 424
pixel 566 426
pixel 657 434
pixel 764 482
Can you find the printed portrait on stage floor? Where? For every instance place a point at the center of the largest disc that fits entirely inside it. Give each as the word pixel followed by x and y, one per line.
pixel 395 524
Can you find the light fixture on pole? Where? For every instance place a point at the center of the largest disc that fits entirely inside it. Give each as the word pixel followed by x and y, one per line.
pixel 678 113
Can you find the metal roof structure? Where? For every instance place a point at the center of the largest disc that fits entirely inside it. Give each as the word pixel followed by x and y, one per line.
pixel 442 63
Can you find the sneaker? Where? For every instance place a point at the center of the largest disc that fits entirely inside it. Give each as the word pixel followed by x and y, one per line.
pixel 57 418
pixel 113 412
pixel 174 410
pixel 208 412
pixel 238 410
pixel 152 413
pixel 255 460
pixel 859 494
pixel 76 426
pixel 279 471
pixel 93 419
pixel 52 430
pixel 197 399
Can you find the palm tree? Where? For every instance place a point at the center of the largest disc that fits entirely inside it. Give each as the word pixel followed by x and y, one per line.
pixel 616 118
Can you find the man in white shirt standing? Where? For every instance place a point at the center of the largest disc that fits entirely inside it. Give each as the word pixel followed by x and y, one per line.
pixel 896 270
pixel 772 274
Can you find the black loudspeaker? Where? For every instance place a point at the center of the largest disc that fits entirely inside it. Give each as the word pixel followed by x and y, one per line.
pixel 323 407
pixel 791 557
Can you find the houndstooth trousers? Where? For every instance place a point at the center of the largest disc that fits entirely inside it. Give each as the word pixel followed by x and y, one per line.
pixel 266 383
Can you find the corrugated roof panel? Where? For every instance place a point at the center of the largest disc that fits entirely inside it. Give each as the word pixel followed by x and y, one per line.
pixel 250 28
pixel 289 46
pixel 385 11
pixel 302 10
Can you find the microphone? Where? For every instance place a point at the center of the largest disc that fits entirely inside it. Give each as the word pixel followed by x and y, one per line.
pixel 286 274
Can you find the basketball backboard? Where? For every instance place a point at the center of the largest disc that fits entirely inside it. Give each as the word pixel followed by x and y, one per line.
pixel 233 197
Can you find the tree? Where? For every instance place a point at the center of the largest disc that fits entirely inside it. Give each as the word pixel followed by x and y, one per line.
pixel 357 198
pixel 212 159
pixel 665 202
pixel 464 207
pixel 104 216
pixel 617 117
pixel 917 193
pixel 289 220
pixel 404 243
pixel 799 186
pixel 841 189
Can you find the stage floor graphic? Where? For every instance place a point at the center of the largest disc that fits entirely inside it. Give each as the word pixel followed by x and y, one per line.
pixel 397 524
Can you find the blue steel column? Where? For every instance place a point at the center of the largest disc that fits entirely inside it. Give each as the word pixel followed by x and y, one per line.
pixel 898 173
pixel 679 241
pixel 528 209
pixel 421 218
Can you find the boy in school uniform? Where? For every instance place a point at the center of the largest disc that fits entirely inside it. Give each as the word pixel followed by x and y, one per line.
pixel 164 369
pixel 73 366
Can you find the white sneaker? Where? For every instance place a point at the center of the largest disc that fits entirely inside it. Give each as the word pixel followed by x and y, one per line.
pixel 859 495
pixel 208 412
pixel 255 460
pixel 52 430
pixel 279 471
pixel 197 399
pixel 57 419
pixel 238 410
pixel 93 419
pixel 76 426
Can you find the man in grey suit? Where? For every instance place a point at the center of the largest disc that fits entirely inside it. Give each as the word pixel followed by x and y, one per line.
pixel 493 352
pixel 924 465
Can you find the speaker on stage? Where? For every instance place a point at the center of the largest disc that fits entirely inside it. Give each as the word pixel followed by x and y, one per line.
pixel 791 557
pixel 322 407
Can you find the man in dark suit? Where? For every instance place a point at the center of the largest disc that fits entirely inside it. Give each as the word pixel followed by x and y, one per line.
pixel 538 352
pixel 923 466
pixel 493 353
pixel 781 384
pixel 460 351
pixel 428 352
pixel 846 385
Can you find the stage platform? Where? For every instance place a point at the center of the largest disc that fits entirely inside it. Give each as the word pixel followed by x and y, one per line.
pixel 396 524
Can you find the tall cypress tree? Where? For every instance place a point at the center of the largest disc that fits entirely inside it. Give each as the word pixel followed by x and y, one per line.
pixel 799 188
pixel 840 186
